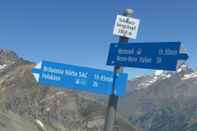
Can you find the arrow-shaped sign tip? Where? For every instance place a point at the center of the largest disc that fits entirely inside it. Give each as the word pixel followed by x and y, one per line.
pixel 183 56
pixel 36 76
pixel 36 71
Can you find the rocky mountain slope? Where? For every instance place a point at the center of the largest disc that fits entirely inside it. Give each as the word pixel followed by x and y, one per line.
pixel 54 109
pixel 10 121
pixel 163 101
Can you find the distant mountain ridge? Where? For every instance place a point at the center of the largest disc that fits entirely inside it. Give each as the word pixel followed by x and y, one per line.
pixel 183 72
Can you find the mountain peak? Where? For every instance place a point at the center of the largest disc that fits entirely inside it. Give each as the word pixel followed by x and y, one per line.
pixel 8 52
pixel 8 57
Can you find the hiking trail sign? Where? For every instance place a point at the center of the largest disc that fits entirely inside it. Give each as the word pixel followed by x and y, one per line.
pixel 79 78
pixel 126 27
pixel 158 55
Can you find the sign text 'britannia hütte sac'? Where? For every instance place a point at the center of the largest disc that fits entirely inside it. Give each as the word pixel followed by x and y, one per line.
pixel 79 78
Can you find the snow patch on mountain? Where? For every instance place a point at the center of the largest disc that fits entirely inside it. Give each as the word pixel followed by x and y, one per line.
pixel 190 76
pixel 158 72
pixel 181 68
pixel 40 125
pixel 3 66
pixel 145 84
pixel 151 79
pixel 183 71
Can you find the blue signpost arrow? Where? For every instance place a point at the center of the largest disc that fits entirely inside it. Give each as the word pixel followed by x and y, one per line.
pixel 158 55
pixel 79 78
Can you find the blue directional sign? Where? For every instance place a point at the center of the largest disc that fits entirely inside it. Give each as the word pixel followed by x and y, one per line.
pixel 80 78
pixel 159 55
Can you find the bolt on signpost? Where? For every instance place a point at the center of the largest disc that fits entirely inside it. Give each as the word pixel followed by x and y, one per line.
pixel 126 29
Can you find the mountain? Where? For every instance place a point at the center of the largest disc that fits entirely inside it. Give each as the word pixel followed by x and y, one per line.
pixel 50 109
pixel 10 121
pixel 162 101
pixel 8 57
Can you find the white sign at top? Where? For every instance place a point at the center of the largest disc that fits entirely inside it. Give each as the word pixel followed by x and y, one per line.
pixel 126 26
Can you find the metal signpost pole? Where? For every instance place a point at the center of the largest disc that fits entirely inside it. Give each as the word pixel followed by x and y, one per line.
pixel 113 100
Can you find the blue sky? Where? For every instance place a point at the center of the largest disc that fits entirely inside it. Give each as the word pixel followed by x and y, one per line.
pixel 79 32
